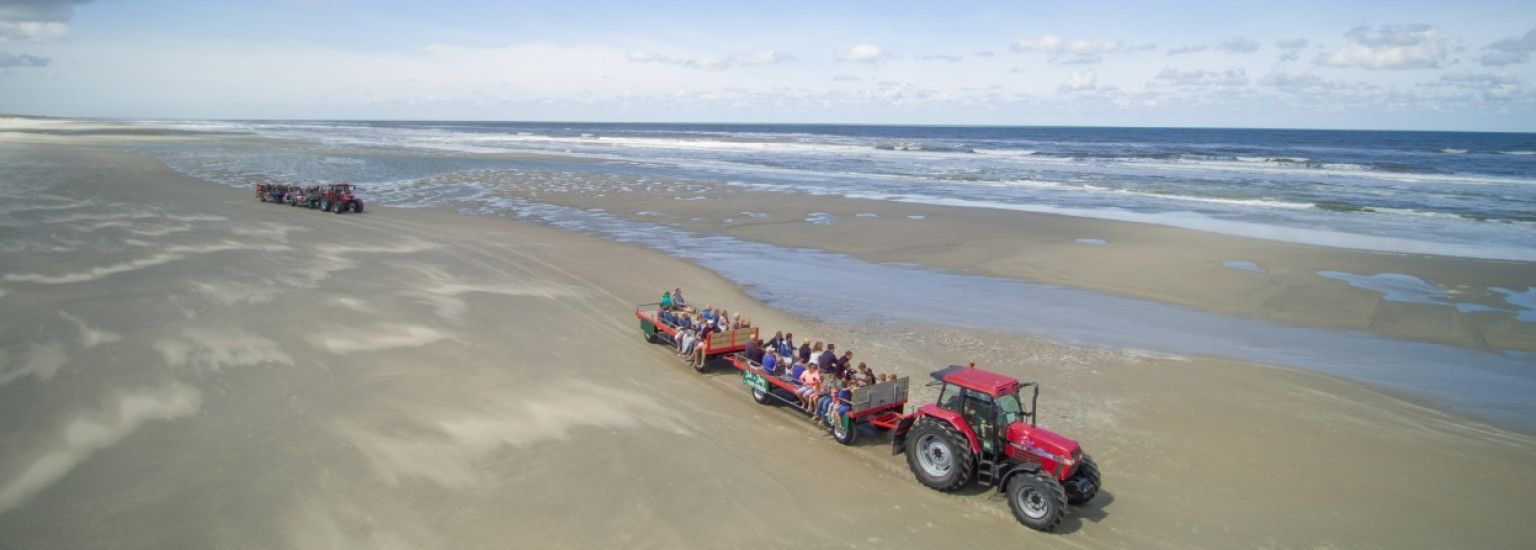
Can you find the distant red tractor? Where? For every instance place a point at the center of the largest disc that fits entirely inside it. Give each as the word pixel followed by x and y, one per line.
pixel 980 432
pixel 339 198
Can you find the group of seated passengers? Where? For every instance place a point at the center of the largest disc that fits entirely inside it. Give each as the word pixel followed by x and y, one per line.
pixel 823 378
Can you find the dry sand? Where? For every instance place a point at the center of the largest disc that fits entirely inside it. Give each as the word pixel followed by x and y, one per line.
pixel 182 366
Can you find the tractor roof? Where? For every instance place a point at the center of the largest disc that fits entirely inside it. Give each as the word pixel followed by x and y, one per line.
pixel 976 379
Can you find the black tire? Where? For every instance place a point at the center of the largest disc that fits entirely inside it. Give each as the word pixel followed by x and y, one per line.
pixel 844 430
pixel 325 205
pixel 1037 500
pixel 357 206
pixel 761 397
pixel 939 456
pixel 339 207
pixel 1084 483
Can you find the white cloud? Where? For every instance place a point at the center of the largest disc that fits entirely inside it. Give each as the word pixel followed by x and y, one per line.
pixel 744 59
pixel 1292 43
pixel 1080 82
pixel 1292 78
pixel 1510 50
pixel 1201 78
pixel 22 60
pixel 1070 53
pixel 1079 48
pixel 1193 48
pixel 1478 80
pixel 1415 46
pixel 862 53
pixel 1238 44
pixel 948 58
pixel 36 20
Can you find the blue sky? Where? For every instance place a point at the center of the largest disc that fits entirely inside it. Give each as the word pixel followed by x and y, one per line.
pixel 1397 65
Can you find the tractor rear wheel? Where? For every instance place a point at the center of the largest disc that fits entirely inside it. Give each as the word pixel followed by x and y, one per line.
pixel 939 456
pixel 1084 483
pixel 1037 500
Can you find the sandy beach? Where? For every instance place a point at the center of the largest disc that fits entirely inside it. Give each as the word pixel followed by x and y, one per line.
pixel 183 366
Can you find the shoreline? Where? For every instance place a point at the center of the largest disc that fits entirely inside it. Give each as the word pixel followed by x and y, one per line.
pixel 1158 263
pixel 433 379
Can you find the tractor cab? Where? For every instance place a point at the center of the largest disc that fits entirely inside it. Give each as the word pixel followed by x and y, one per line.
pixel 988 402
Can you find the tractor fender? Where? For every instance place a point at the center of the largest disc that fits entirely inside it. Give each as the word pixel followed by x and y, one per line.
pixel 1016 469
pixel 954 419
pixel 899 435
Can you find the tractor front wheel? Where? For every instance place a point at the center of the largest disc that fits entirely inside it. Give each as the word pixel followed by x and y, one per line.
pixel 939 456
pixel 357 206
pixel 1084 483
pixel 1037 500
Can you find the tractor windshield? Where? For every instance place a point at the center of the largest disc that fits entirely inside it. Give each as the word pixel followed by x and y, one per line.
pixel 1009 410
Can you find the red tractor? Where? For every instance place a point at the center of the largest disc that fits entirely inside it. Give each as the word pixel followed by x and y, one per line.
pixel 980 432
pixel 338 198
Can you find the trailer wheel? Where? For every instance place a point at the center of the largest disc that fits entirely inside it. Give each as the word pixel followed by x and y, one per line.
pixel 1037 500
pixel 325 205
pixel 844 430
pixel 938 456
pixel 1084 483
pixel 760 396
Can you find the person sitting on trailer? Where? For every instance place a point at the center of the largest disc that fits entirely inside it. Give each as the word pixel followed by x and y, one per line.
pixel 840 365
pixel 773 343
pixel 685 341
pixel 810 383
pixel 792 374
pixel 699 355
pixel 787 344
pixel 666 301
pixel 805 352
pixel 677 300
pixel 754 351
pixel 770 364
pixel 827 358
pixel 866 376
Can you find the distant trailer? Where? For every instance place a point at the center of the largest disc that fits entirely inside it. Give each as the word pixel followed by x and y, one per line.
pixel 717 344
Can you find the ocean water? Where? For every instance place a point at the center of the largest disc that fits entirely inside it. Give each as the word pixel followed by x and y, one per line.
pixel 1447 193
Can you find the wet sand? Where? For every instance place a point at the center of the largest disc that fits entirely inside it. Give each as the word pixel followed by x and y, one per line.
pixel 1178 266
pixel 186 367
